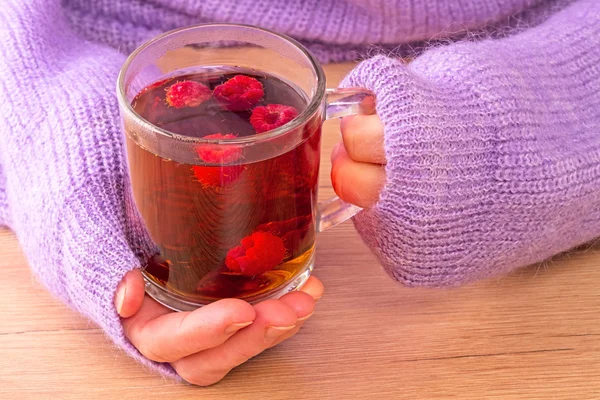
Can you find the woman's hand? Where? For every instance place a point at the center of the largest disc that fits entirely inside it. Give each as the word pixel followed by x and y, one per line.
pixel 358 162
pixel 205 344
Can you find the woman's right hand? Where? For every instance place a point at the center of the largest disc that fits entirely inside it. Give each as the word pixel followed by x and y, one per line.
pixel 205 344
pixel 358 161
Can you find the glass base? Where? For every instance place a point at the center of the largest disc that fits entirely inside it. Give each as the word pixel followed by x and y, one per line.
pixel 177 303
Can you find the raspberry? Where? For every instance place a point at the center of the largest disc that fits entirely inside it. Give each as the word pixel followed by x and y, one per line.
pixel 187 94
pixel 271 116
pixel 239 93
pixel 217 176
pixel 217 154
pixel 258 253
pixel 210 153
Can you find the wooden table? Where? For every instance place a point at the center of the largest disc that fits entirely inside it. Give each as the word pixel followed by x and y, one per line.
pixel 533 335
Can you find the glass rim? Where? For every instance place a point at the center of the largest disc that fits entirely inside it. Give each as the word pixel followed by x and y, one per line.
pixel 297 122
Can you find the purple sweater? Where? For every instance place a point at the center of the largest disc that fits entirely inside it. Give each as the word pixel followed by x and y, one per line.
pixel 493 145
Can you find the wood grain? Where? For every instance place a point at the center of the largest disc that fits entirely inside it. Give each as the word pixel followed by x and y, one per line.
pixel 534 334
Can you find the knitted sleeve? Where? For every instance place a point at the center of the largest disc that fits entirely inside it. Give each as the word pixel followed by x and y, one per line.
pixel 62 171
pixel 4 210
pixel 493 151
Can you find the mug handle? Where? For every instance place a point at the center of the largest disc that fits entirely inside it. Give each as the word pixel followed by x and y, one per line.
pixel 340 103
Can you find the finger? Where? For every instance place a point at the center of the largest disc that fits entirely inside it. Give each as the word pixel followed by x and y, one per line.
pixel 288 334
pixel 314 287
pixel 355 182
pixel 167 337
pixel 363 138
pixel 302 304
pixel 274 319
pixel 130 294
pixel 303 311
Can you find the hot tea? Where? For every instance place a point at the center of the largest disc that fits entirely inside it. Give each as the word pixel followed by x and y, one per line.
pixel 225 227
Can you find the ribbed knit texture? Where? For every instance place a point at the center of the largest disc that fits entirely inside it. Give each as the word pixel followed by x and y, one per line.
pixel 63 163
pixel 493 152
pixel 334 30
pixel 493 146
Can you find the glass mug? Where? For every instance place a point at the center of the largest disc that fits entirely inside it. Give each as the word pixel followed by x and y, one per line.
pixel 232 215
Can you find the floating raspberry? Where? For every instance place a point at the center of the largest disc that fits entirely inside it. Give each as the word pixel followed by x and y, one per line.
pixel 271 116
pixel 187 94
pixel 239 93
pixel 258 253
pixel 216 154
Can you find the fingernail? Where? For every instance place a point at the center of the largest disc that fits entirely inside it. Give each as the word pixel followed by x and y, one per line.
pixel 306 317
pixel 236 327
pixel 274 332
pixel 120 296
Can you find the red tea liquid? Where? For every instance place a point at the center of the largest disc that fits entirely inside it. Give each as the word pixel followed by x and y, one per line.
pixel 239 230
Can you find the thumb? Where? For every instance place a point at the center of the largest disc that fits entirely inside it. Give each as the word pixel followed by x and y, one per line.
pixel 130 294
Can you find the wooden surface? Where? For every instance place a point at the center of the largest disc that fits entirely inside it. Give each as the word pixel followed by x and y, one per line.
pixel 532 335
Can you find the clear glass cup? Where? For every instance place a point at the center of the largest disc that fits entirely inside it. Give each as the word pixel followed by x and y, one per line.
pixel 209 237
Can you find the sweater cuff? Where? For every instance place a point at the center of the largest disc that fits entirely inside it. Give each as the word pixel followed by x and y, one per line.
pixel 491 153
pixel 393 86
pixel 438 170
pixel 94 239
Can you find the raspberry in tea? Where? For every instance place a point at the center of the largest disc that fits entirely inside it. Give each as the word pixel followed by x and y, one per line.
pixel 225 227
